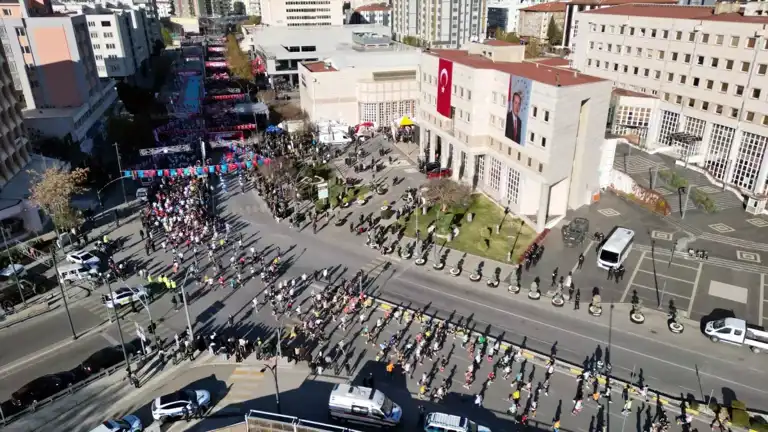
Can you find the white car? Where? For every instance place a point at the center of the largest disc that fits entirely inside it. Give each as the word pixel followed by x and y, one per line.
pixel 129 423
pixel 181 403
pixel 84 257
pixel 125 295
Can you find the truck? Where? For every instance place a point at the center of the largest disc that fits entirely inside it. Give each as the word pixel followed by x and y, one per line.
pixel 737 332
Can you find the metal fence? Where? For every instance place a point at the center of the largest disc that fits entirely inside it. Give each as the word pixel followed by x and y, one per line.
pixel 263 421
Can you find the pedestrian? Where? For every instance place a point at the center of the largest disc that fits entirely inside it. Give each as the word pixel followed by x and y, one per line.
pixel 581 261
pixel 141 233
pixel 479 400
pixel 422 416
pixel 390 369
pixel 576 300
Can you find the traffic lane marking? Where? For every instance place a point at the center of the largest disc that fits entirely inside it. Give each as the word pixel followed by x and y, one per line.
pixel 665 293
pixel 661 261
pixel 667 285
pixel 657 274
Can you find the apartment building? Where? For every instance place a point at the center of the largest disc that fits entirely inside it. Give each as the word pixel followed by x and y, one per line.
pixel 53 69
pixel 14 146
pixel 706 69
pixel 511 8
pixel 440 23
pixel 302 13
pixel 120 41
pixel 379 13
pixel 535 20
pixel 165 8
pixel 527 134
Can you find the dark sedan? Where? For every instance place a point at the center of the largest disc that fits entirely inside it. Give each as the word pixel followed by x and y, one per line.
pixel 106 358
pixel 575 232
pixel 40 389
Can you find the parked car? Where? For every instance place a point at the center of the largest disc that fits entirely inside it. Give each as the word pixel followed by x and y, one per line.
pixel 84 257
pixel 429 166
pixel 125 295
pixel 440 173
pixel 39 389
pixel 105 358
pixel 7 273
pixel 177 404
pixel 575 232
pixel 129 423
pixel 10 296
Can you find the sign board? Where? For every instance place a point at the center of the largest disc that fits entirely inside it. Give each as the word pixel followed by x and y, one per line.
pixel 140 332
pixel 163 150
pixel 322 191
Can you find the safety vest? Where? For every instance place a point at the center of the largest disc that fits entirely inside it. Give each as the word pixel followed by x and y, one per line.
pixel 149 278
pixel 173 284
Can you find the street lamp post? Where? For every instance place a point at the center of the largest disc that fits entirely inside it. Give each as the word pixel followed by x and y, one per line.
pixel 186 306
pixel 63 296
pixel 98 192
pixel 149 314
pixel 13 267
pixel 120 169
pixel 273 368
pixel 119 330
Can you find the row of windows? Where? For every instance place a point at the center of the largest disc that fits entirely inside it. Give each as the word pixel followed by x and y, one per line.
pixel 700 60
pixel 107 46
pixel 748 116
pixel 95 35
pixel 309 10
pixel 310 24
pixel 307 17
pixel 298 3
pixel 458 91
pixel 703 38
pixel 103 24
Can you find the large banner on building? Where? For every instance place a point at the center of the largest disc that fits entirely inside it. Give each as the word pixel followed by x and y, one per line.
pixel 444 82
pixel 518 104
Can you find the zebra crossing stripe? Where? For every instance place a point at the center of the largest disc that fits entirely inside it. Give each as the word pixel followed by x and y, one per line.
pixel 719 262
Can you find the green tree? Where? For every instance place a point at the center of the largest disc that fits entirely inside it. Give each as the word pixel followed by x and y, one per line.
pixel 53 192
pixel 239 63
pixel 411 40
pixel 554 33
pixel 167 38
pixel 508 37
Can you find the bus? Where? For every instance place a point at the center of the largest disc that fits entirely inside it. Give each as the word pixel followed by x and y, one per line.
pixel 615 248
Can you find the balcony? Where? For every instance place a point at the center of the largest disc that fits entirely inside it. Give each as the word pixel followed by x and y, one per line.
pixel 446 125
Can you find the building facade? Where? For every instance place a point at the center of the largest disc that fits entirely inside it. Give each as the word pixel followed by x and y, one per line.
pixel 379 13
pixel 358 85
pixel 442 23
pixel 512 10
pixel 526 134
pixel 535 20
pixel 302 13
pixel 283 48
pixel 120 41
pixel 15 146
pixel 707 69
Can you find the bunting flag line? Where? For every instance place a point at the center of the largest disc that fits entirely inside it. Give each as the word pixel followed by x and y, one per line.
pixel 197 171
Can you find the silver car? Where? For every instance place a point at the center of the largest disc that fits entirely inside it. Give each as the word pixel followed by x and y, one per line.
pixel 180 404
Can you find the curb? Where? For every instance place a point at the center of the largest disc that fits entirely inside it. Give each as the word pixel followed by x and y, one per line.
pixel 575 370
pixel 48 308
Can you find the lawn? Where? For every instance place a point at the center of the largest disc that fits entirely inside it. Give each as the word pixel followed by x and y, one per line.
pixel 473 235
pixel 336 187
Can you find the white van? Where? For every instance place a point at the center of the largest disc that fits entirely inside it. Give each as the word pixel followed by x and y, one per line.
pixel 77 272
pixel 615 248
pixel 363 405
pixel 439 422
pixel 142 194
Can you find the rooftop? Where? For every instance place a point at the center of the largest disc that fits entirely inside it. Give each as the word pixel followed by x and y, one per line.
pixel 555 6
pixel 534 71
pixel 615 2
pixel 706 13
pixel 552 61
pixel 319 66
pixel 630 93
pixel 373 8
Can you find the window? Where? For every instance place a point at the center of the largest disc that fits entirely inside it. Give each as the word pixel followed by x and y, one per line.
pixel 734 41
pixel 691 102
pixel 646 72
pixel 683 78
pixel 96 46
pixel 543 141
pixel 670 122
pixel 91 24
pixel 749 159
pixel 99 57
pixel 513 185
pixel 541 167
pixel 107 34
pixel 656 74
pixel 704 106
pixel 106 24
pixel 755 93
pixel 110 46
pixel 719 145
pixel 749 116
pixel 745 66
pixel 20 31
pixel 719 40
pixel 762 68
pixel 710 84
pixel 687 59
pixel 695 82
pixel 751 42
pixel 679 35
pixel 713 62
pixel 723 87
pixel 660 55
pixel 531 137
pixel 718 109
pixel 670 77
pixel 94 35
pixel 734 113
pixel 739 91
pixel 729 65
pixel 678 99
pixel 7 12
pixel 674 56
pixel 546 116
pixel 494 176
pixel 665 34
pixel 534 112
pixel 692 37
pixel 705 38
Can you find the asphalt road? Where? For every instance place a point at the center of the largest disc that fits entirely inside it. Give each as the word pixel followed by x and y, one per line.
pixel 667 362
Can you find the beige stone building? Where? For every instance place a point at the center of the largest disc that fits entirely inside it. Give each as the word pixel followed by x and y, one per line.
pixel 534 20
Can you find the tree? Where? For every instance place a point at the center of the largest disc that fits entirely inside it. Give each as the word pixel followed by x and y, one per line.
pixel 447 193
pixel 532 48
pixel 238 8
pixel 411 40
pixel 554 34
pixel 507 37
pixel 53 192
pixel 167 38
pixel 238 61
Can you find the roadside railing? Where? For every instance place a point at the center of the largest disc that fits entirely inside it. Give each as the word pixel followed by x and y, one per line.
pixel 263 421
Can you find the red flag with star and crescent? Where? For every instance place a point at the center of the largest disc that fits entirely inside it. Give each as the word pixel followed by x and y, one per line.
pixel 444 82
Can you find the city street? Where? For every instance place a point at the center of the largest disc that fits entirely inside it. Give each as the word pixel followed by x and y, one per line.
pixel 667 362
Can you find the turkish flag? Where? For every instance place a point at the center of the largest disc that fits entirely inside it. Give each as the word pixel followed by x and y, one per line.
pixel 444 82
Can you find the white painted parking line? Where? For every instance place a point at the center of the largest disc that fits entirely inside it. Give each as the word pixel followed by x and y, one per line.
pixel 665 293
pixel 762 300
pixel 632 278
pixel 586 251
pixel 695 287
pixel 666 261
pixel 667 277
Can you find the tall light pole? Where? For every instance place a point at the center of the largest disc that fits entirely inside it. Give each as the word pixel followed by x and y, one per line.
pixel 120 169
pixel 13 267
pixel 273 368
pixel 63 296
pixel 186 306
pixel 119 329
pixel 149 314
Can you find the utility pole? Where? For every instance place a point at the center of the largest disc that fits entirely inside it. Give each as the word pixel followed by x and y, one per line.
pixel 13 267
pixel 186 306
pixel 119 330
pixel 685 203
pixel 120 169
pixel 63 296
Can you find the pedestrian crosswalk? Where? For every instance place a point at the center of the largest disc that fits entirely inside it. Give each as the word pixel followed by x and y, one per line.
pixel 129 320
pixel 374 270
pixel 242 385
